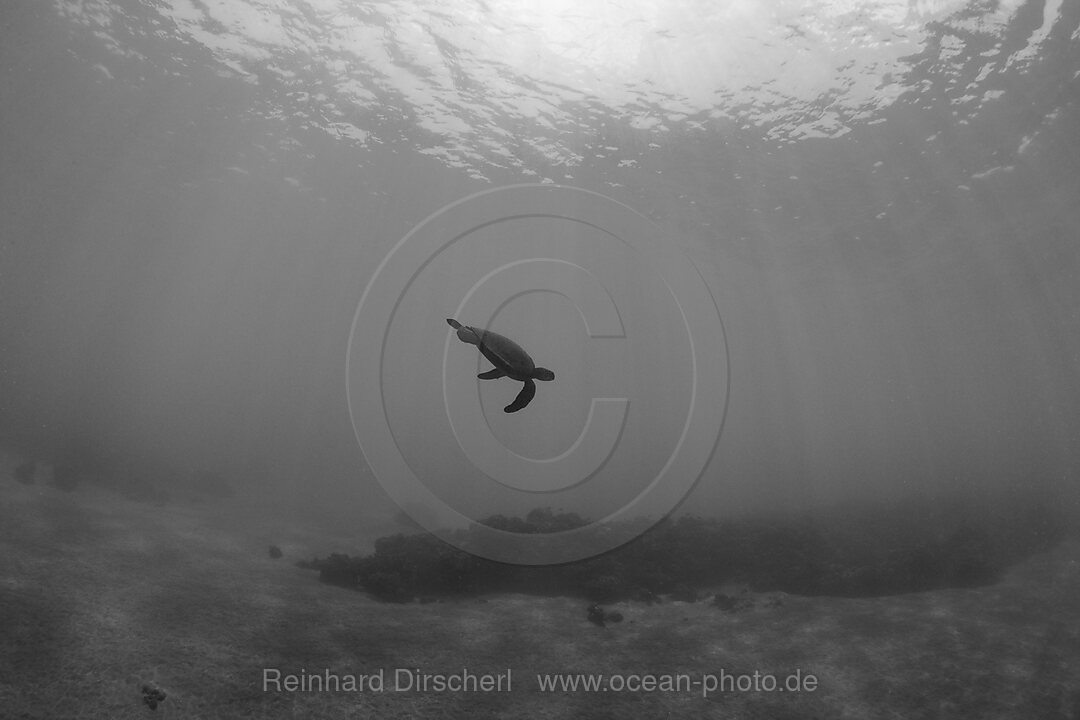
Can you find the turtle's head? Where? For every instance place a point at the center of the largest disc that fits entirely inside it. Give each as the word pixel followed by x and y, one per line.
pixel 465 333
pixel 543 374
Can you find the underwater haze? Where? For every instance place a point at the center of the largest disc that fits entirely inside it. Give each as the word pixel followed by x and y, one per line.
pixel 806 275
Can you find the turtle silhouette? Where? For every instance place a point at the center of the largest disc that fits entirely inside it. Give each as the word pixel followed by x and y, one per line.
pixel 509 358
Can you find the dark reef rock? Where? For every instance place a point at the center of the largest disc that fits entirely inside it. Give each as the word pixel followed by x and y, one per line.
pixel 598 616
pixel 387 586
pixel 275 552
pixel 538 520
pixel 851 552
pixel 152 696
pixel 734 598
pixel 340 570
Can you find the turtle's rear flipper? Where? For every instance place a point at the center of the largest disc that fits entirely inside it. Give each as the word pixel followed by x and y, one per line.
pixel 524 397
pixel 491 374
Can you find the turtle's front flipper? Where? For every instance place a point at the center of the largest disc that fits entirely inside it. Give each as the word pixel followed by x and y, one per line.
pixel 524 397
pixel 491 374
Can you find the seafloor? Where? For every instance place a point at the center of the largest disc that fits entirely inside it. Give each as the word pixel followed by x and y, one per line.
pixel 101 596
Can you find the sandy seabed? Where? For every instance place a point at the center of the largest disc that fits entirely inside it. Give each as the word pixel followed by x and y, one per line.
pixel 101 596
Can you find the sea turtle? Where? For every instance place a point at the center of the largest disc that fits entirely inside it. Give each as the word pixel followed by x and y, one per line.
pixel 509 359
